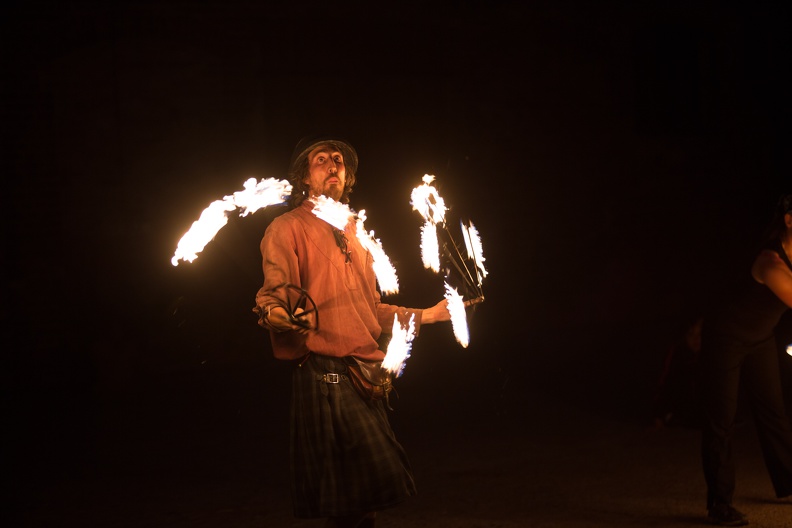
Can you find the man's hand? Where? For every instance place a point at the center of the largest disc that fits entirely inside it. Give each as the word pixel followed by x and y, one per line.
pixel 281 321
pixel 439 312
pixel 436 314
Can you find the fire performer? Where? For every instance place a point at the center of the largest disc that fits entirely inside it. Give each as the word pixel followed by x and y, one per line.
pixel 322 308
pixel 739 346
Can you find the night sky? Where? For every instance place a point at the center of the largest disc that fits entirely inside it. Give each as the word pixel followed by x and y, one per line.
pixel 618 161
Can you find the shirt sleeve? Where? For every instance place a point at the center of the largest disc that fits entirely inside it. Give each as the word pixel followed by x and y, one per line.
pixel 386 313
pixel 280 266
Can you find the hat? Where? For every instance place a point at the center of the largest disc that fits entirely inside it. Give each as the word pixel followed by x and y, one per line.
pixel 308 143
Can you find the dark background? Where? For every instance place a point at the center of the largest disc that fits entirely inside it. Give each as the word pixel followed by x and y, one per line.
pixel 618 160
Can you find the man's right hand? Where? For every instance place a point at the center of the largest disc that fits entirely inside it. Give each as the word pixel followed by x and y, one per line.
pixel 281 321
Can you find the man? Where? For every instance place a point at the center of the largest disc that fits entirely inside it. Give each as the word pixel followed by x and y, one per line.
pixel 346 463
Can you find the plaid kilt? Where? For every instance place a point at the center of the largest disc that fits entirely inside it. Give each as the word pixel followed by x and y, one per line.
pixel 344 456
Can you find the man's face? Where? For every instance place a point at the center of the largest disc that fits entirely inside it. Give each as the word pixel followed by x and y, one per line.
pixel 326 172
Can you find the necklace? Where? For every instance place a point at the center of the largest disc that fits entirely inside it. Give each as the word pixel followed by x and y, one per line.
pixel 341 242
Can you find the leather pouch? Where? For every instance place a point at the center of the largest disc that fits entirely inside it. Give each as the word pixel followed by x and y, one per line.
pixel 369 379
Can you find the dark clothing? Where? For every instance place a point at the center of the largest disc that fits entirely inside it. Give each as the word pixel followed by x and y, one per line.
pixel 676 399
pixel 345 458
pixel 754 312
pixel 739 350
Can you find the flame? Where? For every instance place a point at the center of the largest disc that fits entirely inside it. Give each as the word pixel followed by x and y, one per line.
pixel 266 192
pixel 456 307
pixel 428 202
pixel 789 349
pixel 430 248
pixel 474 249
pixel 431 206
pixel 383 269
pixel 399 346
pixel 334 213
pixel 339 215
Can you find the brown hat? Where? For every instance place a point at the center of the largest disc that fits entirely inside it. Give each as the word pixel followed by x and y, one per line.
pixel 308 143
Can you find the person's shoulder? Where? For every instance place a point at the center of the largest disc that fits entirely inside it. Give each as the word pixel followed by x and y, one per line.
pixel 767 260
pixel 282 215
pixel 769 257
pixel 298 218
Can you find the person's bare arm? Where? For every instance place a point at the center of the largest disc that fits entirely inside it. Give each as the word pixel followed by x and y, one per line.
pixel 769 269
pixel 439 312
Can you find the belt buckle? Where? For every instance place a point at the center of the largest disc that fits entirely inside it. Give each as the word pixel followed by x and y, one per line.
pixel 331 377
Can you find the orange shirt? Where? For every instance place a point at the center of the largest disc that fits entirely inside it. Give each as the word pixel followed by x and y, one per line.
pixel 300 249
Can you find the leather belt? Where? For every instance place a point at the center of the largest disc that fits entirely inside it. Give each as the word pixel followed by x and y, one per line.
pixel 330 377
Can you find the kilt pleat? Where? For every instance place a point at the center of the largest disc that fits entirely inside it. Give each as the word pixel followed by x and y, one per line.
pixel 345 458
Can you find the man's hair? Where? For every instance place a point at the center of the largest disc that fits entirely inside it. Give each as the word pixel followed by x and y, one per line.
pixel 298 171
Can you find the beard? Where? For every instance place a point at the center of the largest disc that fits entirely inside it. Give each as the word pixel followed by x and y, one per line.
pixel 334 191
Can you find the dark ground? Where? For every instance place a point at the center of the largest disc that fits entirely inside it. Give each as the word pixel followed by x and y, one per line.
pixel 531 447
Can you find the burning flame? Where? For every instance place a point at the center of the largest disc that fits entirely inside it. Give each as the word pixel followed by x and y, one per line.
pixel 430 248
pixel 334 213
pixel 431 206
pixel 254 196
pixel 474 249
pixel 426 200
pixel 399 346
pixel 456 307
pixel 339 215
pixel 789 349
pixel 383 269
